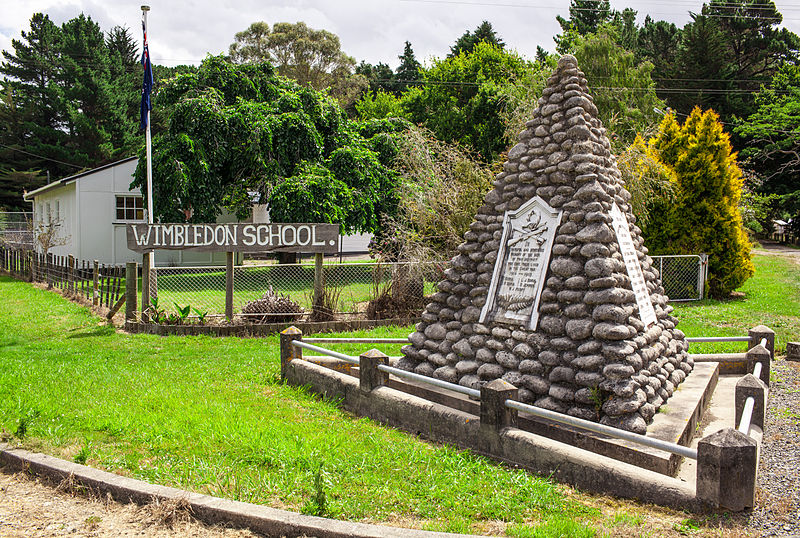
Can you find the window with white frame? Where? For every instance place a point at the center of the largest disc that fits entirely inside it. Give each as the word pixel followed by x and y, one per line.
pixel 130 208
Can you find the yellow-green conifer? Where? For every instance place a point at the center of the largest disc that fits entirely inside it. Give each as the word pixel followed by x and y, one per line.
pixel 705 216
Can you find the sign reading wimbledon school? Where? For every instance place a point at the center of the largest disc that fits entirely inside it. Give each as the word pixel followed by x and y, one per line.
pixel 272 237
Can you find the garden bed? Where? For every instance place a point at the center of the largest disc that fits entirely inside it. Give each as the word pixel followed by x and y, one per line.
pixel 262 329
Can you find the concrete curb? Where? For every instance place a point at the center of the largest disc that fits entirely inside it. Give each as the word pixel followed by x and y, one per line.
pixel 211 510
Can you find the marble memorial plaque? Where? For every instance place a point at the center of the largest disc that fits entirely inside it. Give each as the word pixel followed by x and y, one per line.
pixel 521 265
pixel 631 259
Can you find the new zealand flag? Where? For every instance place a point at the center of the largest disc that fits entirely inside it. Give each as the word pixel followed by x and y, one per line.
pixel 147 85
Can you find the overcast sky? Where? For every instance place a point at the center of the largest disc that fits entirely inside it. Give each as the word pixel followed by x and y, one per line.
pixel 184 31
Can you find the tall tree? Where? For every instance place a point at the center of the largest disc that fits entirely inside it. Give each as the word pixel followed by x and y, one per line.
pixel 484 33
pixel 461 99
pixel 623 89
pixel 69 100
pixel 238 131
pixel 705 216
pixel 409 70
pixel 585 17
pixel 311 57
pixel 34 98
pixel 379 76
pixel 658 42
pixel 772 134
pixel 89 94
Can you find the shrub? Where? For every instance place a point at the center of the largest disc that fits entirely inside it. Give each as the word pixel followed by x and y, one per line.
pixel 705 216
pixel 275 307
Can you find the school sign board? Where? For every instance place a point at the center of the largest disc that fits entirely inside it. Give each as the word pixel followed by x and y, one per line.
pixel 271 237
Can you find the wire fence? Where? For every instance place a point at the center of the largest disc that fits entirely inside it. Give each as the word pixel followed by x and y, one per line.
pixel 16 229
pixel 683 276
pixel 354 288
pixel 349 288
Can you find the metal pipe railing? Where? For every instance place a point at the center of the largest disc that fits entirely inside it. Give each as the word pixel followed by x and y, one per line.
pixel 625 435
pixel 692 339
pixel 358 340
pixel 430 381
pixel 617 433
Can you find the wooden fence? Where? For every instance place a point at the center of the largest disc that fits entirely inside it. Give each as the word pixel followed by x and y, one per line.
pixel 103 285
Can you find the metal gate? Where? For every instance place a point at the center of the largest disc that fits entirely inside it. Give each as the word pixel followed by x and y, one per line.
pixel 684 276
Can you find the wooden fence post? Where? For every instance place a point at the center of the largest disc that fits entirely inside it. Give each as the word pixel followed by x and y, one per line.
pixel 96 283
pixel 146 287
pixel 319 280
pixel 229 285
pixel 71 276
pixel 130 291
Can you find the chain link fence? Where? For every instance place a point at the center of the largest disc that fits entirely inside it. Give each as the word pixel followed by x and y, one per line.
pixel 351 289
pixel 683 276
pixel 348 288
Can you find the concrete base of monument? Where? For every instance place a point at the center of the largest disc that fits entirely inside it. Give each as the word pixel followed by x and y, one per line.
pixel 441 418
pixel 676 422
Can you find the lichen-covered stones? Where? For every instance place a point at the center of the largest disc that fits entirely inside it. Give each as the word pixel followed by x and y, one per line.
pixel 592 353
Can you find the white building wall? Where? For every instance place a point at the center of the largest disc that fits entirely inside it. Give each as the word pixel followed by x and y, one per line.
pixel 62 213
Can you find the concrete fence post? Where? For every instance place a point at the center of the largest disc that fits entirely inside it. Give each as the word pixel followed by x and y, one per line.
pixel 288 351
pixel 494 412
pixel 368 374
pixel 759 354
pixel 131 281
pixel 757 333
pixel 747 386
pixel 726 470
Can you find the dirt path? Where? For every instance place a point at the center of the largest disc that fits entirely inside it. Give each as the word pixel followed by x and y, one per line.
pixel 776 249
pixel 29 508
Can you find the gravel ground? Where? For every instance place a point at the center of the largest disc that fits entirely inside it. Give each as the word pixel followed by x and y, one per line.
pixel 778 495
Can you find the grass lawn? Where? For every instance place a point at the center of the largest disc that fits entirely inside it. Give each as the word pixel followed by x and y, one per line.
pixel 771 298
pixel 210 415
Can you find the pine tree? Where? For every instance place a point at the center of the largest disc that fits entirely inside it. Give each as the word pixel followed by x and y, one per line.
pixel 34 98
pixel 585 17
pixel 705 216
pixel 484 33
pixel 408 70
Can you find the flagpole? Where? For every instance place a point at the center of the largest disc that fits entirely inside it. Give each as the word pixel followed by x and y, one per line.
pixel 149 152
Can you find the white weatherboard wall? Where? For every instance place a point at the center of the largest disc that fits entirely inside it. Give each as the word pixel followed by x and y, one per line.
pixel 61 203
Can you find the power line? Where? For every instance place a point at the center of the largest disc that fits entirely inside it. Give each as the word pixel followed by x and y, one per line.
pixel 42 157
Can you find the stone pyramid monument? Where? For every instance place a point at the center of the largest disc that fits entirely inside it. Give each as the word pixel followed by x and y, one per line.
pixel 553 290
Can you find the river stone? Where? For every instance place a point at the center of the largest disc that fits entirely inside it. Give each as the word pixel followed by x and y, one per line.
pixel 578 329
pixel 531 367
pixel 490 371
pixel 610 331
pixel 467 367
pixel 463 348
pixel 507 360
pixel 536 383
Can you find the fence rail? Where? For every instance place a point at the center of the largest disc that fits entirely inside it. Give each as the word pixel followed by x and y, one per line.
pixel 103 285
